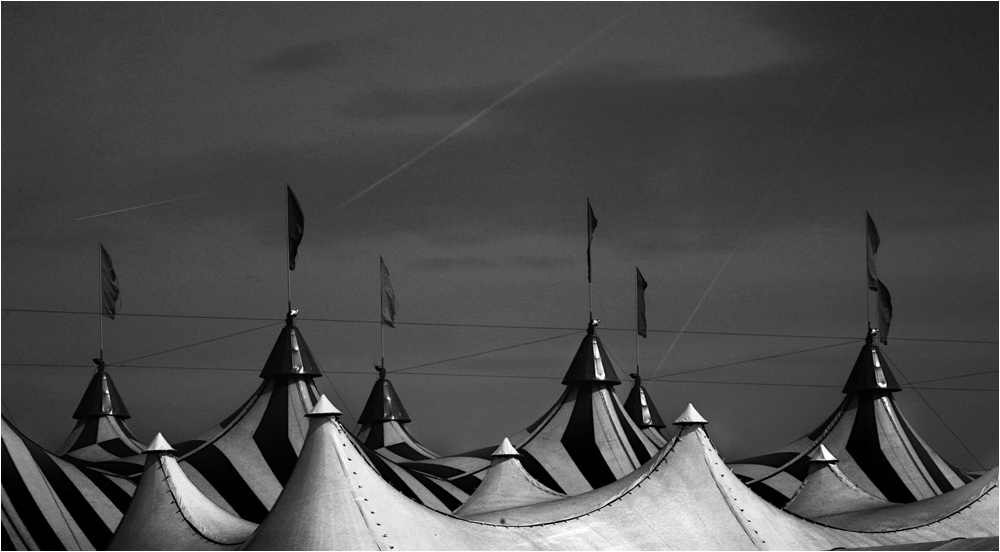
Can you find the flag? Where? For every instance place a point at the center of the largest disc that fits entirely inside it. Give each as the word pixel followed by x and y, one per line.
pixel 872 247
pixel 591 224
pixel 640 303
pixel 884 312
pixel 296 226
pixel 388 298
pixel 109 285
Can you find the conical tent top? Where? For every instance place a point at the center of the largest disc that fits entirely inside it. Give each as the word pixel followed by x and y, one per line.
pixel 290 355
pixel 159 444
pixel 323 408
pixel 822 455
pixel 101 398
pixel 383 403
pixel 640 407
pixel 871 372
pixel 505 450
pixel 591 363
pixel 690 416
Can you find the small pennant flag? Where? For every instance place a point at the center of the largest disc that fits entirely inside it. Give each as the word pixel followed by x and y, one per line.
pixel 640 303
pixel 388 298
pixel 884 312
pixel 296 226
pixel 872 247
pixel 591 225
pixel 109 285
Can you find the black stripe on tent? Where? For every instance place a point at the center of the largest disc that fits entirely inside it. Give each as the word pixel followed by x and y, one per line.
pixel 389 475
pixel 773 460
pixel 187 446
pixel 213 465
pixel 115 494
pixel 641 454
pixel 579 441
pixel 925 458
pixel 376 436
pixel 536 470
pixel 444 496
pixel 311 388
pixel 406 451
pixel 468 483
pixel 826 423
pixel 864 446
pixel 769 494
pixel 24 504
pixel 117 448
pixel 436 470
pixel 271 435
pixel 79 508
pixel 88 436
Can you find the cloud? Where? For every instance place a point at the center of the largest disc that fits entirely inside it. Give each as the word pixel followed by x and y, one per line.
pixel 303 58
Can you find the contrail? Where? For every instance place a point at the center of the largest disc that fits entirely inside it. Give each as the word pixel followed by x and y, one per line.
pixel 774 185
pixel 141 206
pixel 488 108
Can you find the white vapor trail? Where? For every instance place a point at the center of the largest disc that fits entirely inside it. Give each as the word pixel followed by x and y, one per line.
pixel 488 108
pixel 140 206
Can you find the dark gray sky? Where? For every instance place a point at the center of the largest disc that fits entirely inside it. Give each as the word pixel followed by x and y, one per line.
pixel 730 151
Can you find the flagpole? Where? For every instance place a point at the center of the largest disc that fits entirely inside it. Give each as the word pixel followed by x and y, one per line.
pixel 381 309
pixel 637 323
pixel 100 296
pixel 868 293
pixel 288 255
pixel 590 295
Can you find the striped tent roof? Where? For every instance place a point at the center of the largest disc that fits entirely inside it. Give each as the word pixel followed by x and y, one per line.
pixel 876 447
pixel 827 491
pixel 168 512
pixel 381 425
pixel 685 498
pixel 101 436
pixel 641 409
pixel 586 440
pixel 54 504
pixel 243 463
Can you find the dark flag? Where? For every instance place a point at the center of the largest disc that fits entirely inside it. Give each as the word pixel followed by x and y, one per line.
pixel 109 285
pixel 591 224
pixel 640 303
pixel 872 246
pixel 388 298
pixel 296 226
pixel 884 312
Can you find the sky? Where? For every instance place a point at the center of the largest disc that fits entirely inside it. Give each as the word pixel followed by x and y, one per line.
pixel 729 150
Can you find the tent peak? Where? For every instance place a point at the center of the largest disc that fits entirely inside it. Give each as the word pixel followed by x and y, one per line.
pixel 290 355
pixel 592 364
pixel 639 406
pixel 101 398
pixel 822 455
pixel 383 403
pixel 871 371
pixel 505 450
pixel 159 444
pixel 690 416
pixel 323 408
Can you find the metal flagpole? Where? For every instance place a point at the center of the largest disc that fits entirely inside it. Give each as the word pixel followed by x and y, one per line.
pixel 381 309
pixel 637 322
pixel 288 254
pixel 100 295
pixel 590 295
pixel 868 292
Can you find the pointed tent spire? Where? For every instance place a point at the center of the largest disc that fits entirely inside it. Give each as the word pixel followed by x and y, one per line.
pixel 383 403
pixel 871 372
pixel 323 408
pixel 290 355
pixel 690 416
pixel 101 398
pixel 640 407
pixel 505 450
pixel 822 455
pixel 159 444
pixel 591 363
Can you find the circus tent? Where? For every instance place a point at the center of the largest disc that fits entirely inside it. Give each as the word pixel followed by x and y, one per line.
pixel 51 503
pixel 685 497
pixel 168 512
pixel 876 447
pixel 641 409
pixel 101 436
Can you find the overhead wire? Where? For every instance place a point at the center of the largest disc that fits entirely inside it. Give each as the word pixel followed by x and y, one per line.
pixel 955 435
pixel 672 374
